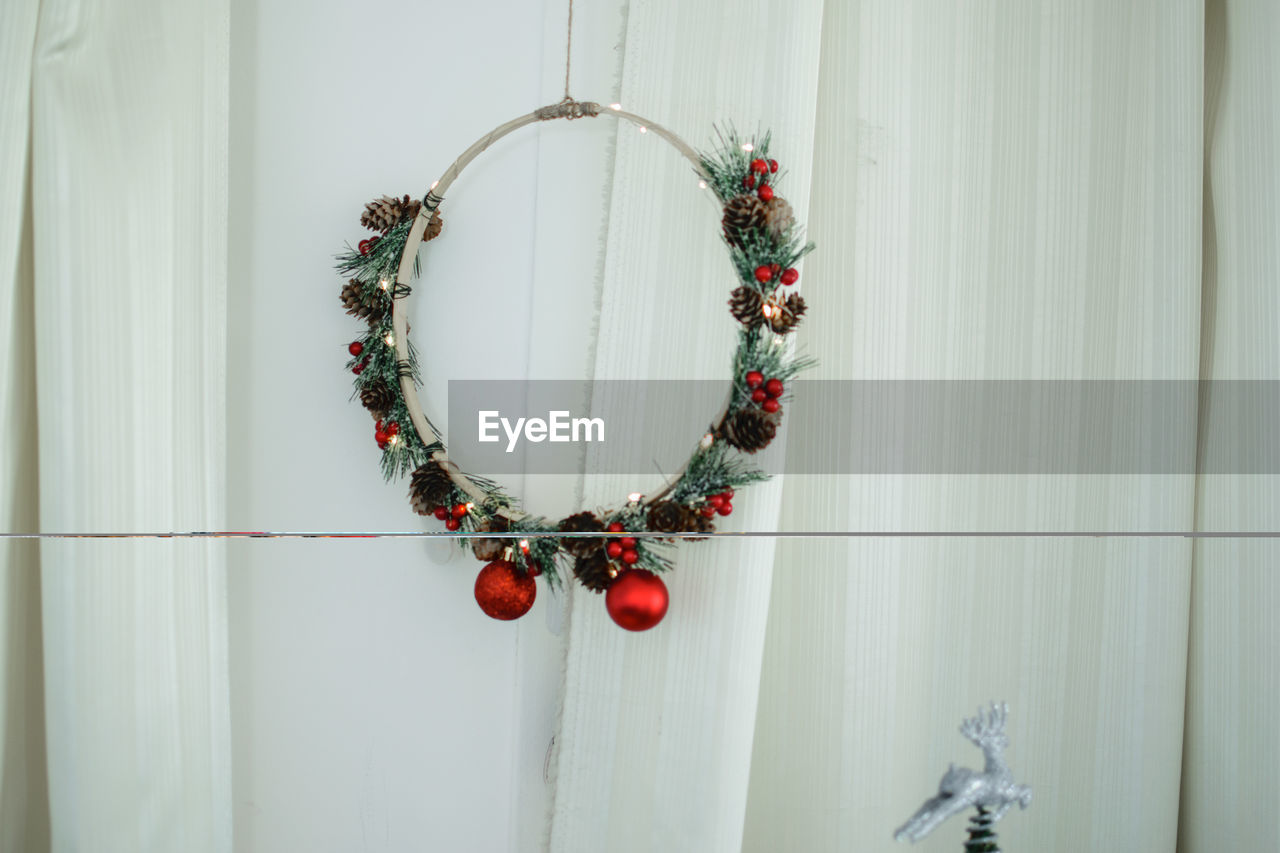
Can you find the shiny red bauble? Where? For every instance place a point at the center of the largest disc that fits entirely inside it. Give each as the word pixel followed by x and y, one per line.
pixel 765 193
pixel 759 166
pixel 505 592
pixel 773 166
pixel 452 524
pixel 355 348
pixel 771 405
pixel 790 275
pixel 763 274
pixel 755 379
pixel 614 550
pixel 441 512
pixel 774 388
pixel 637 600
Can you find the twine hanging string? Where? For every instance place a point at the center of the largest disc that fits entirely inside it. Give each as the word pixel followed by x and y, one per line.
pixel 568 53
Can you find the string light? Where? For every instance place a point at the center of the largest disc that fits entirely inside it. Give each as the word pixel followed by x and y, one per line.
pixel 524 545
pixel 644 129
pixel 390 339
pixel 707 440
pixel 394 440
pixel 634 496
pixel 702 185
pixel 384 284
pixel 767 310
pixel 470 506
pixel 747 146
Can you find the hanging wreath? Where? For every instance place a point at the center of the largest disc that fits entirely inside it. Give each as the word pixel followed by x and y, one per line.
pixel 621 550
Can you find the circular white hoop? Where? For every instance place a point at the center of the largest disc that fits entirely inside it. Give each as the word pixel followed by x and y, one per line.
pixel 566 109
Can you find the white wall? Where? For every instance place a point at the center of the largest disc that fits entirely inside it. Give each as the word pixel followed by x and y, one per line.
pixel 374 706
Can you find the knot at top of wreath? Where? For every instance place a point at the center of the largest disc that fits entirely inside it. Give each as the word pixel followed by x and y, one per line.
pixel 568 108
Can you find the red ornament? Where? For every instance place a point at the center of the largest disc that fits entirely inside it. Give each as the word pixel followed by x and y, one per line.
pixel 790 276
pixel 759 166
pixel 771 405
pixel 773 166
pixel 355 348
pixel 630 556
pixel 393 428
pixel 765 192
pixel 763 274
pixel 715 500
pixel 614 550
pixel 727 494
pixel 504 592
pixel 381 437
pixel 754 379
pixel 749 182
pixel 773 388
pixel 759 395
pixel 365 245
pixel 637 600
pixel 616 527
pixel 452 524
pixel 359 368
pixel 441 512
pixel 459 510
pixel 708 511
pixel 627 542
pixel 725 508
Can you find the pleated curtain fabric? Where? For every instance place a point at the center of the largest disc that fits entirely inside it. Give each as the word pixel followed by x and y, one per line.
pixel 117 263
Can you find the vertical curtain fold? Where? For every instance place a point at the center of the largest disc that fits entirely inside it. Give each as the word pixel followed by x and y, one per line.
pixel 127 211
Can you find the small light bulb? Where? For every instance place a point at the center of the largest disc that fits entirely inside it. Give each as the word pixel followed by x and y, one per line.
pixel 390 339
pixel 615 106
pixel 644 129
pixel 634 496
pixel 702 185
pixel 707 440
pixel 613 573
pixel 470 506
pixel 767 310
pixel 384 284
pixel 524 545
pixel 747 146
pixel 395 439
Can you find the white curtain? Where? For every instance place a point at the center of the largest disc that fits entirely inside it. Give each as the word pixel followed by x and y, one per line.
pixel 116 272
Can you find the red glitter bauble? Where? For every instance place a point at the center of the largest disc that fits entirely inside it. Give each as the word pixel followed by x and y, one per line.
pixel 504 592
pixel 637 600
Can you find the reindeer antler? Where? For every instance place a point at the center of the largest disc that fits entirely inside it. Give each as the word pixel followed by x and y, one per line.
pixel 987 733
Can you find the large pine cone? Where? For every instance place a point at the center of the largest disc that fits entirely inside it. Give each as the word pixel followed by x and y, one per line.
pixel 745 304
pixel 487 550
pixel 358 305
pixel 778 217
pixel 378 398
pixel 585 546
pixel 595 572
pixel 382 214
pixel 751 429
pixel 785 315
pixel 430 487
pixel 742 214
pixel 672 517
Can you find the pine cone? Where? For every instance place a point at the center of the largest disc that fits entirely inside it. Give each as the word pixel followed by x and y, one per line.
pixel 583 522
pixel 751 429
pixel 785 315
pixel 672 517
pixel 434 225
pixel 487 550
pixel 382 214
pixel 742 214
pixel 778 217
pixel 429 488
pixel 358 305
pixel 378 398
pixel 745 304
pixel 595 572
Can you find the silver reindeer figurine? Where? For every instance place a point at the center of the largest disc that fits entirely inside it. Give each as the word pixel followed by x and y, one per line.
pixel 992 792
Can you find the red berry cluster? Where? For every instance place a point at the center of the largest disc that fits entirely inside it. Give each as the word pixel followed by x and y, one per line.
pixel 365 245
pixel 623 548
pixel 452 518
pixel 758 178
pixel 718 504
pixel 383 433
pixel 765 393
pixel 766 273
